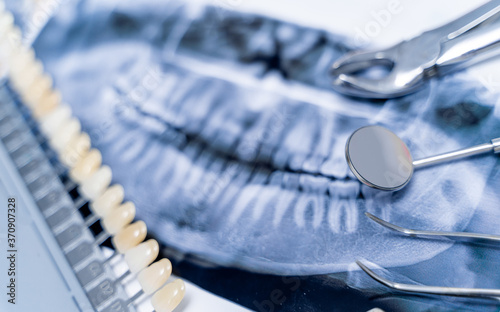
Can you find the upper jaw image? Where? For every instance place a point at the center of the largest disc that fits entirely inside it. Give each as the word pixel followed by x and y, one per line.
pixel 224 131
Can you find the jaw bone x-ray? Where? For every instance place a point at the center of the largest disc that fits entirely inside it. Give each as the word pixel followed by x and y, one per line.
pixel 224 130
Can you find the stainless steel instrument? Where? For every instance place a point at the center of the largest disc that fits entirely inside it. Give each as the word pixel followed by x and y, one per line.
pixel 380 159
pixel 434 290
pixel 472 38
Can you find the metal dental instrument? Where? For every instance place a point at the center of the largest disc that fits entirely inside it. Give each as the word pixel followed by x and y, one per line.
pixel 470 39
pixel 380 159
pixel 434 290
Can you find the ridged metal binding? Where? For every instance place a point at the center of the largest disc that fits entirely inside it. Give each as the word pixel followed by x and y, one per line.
pixel 87 180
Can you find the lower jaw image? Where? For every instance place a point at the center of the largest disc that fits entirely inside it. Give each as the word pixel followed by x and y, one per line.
pixel 224 131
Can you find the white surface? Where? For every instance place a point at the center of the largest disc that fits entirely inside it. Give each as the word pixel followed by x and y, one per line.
pixel 198 300
pixel 195 300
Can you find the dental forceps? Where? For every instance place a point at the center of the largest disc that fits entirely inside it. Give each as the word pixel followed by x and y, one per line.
pixel 465 41
pixel 432 290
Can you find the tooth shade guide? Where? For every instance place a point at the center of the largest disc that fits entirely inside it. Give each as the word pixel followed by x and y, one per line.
pixel 75 150
pixel 86 169
pixel 51 123
pixel 142 255
pixel 86 166
pixel 130 236
pixel 46 103
pixel 107 201
pixel 118 218
pixel 66 133
pixel 39 86
pixel 155 276
pixel 169 296
pixel 95 185
pixel 72 248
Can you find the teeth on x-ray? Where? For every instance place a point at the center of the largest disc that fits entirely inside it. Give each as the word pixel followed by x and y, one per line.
pixel 237 172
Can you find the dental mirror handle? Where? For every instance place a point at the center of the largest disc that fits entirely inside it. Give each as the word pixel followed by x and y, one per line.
pixel 494 146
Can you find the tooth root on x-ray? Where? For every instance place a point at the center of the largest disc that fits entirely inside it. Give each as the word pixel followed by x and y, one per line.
pixel 246 200
pixel 234 187
pixel 266 200
pixel 181 171
pixel 310 208
pixel 283 205
pixel 149 156
pixel 250 141
pixel 208 187
pixel 300 138
pixel 197 171
pixel 248 194
pixel 221 180
pixel 200 107
pixel 273 132
pixel 323 146
pixel 197 106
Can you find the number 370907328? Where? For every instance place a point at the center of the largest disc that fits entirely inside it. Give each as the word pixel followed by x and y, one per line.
pixel 11 222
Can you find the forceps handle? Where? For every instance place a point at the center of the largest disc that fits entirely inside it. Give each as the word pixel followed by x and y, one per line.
pixel 471 151
pixel 470 39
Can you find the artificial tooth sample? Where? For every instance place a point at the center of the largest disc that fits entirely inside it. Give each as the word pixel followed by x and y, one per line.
pixel 75 150
pixel 50 123
pixel 118 218
pixel 96 184
pixel 10 42
pixel 142 255
pixel 6 22
pixel 21 80
pixel 48 102
pixel 39 87
pixel 154 276
pixel 111 198
pixel 32 73
pixel 130 236
pixel 169 297
pixel 19 61
pixel 87 166
pixel 66 133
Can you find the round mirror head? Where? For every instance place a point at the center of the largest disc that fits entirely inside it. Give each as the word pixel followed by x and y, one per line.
pixel 379 158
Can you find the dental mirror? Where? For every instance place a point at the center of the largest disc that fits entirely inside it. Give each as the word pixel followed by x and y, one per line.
pixel 380 159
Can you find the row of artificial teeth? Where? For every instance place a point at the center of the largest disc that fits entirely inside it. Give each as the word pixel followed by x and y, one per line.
pixel 74 150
